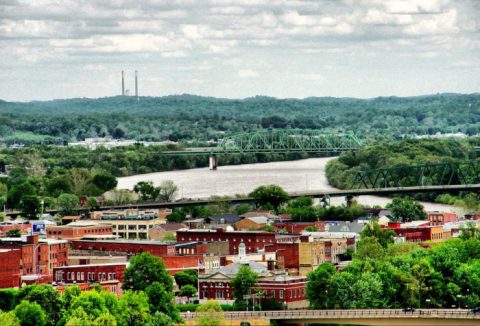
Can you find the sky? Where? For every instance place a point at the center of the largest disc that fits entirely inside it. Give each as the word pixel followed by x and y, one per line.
pixel 238 48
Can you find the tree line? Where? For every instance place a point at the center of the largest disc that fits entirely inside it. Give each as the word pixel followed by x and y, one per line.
pixel 387 275
pixel 198 119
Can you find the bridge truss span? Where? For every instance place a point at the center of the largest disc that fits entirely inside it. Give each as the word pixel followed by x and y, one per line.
pixel 289 140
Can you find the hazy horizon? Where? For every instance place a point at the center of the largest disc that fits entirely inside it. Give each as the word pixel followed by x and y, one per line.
pixel 239 49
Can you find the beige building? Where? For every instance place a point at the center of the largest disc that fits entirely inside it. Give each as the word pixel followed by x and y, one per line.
pixel 311 254
pixel 132 223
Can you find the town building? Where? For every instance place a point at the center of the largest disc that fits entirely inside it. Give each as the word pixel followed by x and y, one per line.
pixel 440 218
pixel 158 232
pixel 417 231
pixel 217 248
pixel 10 273
pixel 275 284
pixel 78 230
pixel 221 220
pixel 253 223
pixel 254 240
pixel 131 247
pixel 132 223
pixel 89 273
pixel 299 227
pixel 38 256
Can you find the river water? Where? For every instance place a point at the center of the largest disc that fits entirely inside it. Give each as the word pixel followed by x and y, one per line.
pixel 293 176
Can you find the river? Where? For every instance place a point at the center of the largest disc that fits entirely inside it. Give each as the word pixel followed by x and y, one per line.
pixel 293 176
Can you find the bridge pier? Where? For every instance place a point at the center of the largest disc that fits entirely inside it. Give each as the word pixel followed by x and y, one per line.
pixel 213 162
pixel 349 200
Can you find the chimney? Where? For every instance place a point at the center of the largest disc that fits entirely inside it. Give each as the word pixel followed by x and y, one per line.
pixel 123 83
pixel 136 84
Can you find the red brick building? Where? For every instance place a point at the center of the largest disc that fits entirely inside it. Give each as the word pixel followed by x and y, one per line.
pixel 10 274
pixel 113 286
pixel 418 233
pixel 440 218
pixel 253 240
pixel 131 247
pixel 89 273
pixel 76 230
pixel 299 227
pixel 38 256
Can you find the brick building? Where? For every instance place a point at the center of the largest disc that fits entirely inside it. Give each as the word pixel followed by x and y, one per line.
pixel 299 227
pixel 441 218
pixel 38 256
pixel 217 248
pixel 254 240
pixel 419 232
pixel 276 285
pixel 133 247
pixel 89 273
pixel 78 230
pixel 10 274
pixel 132 223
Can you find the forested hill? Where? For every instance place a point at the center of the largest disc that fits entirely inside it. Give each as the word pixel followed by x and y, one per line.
pixel 188 117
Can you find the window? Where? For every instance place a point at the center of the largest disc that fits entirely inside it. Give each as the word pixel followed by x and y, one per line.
pixel 281 294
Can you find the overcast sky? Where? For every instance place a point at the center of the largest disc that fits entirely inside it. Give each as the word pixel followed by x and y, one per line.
pixel 238 48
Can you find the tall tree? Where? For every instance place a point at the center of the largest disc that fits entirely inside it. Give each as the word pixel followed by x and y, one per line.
pixel 167 190
pixel 406 209
pixel 68 203
pixel 245 279
pixel 145 269
pixel 30 314
pixel 318 287
pixel 30 205
pixel 212 314
pixel 269 195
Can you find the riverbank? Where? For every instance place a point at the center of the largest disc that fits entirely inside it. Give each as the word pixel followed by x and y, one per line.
pixel 293 176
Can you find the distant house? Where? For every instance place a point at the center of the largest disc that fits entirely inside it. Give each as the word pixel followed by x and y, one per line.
pixel 346 227
pixel 223 219
pixel 252 223
pixel 159 231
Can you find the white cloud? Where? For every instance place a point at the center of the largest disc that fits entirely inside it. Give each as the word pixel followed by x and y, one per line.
pixel 247 73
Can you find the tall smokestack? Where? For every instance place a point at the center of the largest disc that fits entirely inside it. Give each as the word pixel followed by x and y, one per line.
pixel 136 83
pixel 123 83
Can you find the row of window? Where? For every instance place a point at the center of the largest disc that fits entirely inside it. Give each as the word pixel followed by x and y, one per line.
pixel 80 276
pixel 226 239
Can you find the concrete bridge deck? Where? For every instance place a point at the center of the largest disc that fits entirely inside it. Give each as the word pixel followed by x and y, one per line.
pixel 373 317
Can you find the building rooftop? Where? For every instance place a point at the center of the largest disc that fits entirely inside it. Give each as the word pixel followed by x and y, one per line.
pixel 82 223
pixel 93 265
pixel 139 242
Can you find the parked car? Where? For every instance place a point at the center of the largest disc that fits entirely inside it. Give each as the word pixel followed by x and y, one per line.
pixel 409 309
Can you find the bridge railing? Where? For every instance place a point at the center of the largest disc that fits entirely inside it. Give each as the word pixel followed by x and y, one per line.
pixel 346 314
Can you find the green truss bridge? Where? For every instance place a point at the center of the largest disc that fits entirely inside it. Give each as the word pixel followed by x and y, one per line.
pixel 421 175
pixel 278 141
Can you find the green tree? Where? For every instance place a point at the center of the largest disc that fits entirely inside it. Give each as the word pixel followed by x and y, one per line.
pixel 271 194
pixel 369 247
pixel 300 202
pixel 319 285
pixel 8 299
pixel 68 203
pixel 146 190
pixel 186 277
pixel 17 192
pixel 30 205
pixel 242 282
pixel 9 319
pixel 57 186
pixel 92 203
pixel 311 229
pixel 160 319
pixel 211 314
pixel 169 236
pixel 162 300
pixel 79 179
pixel 104 181
pixel 134 308
pixel 188 291
pixel 105 320
pixel 145 269
pixel 70 293
pixel 45 295
pixel 167 190
pixel 268 228
pixel 30 314
pixel 383 236
pixel 13 233
pixel 406 209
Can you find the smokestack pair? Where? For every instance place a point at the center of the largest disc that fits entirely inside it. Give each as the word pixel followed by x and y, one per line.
pixel 136 83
